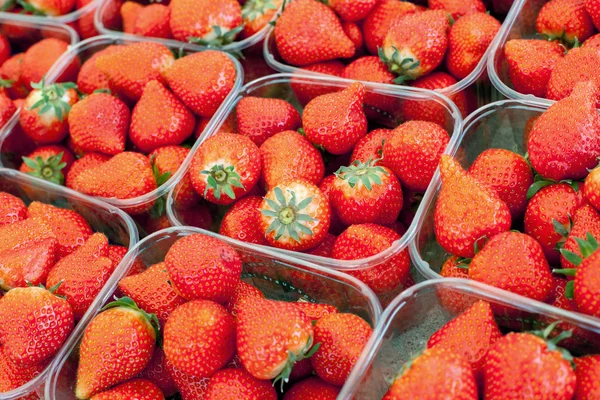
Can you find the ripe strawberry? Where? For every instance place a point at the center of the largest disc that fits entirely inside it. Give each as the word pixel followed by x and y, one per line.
pixel 470 334
pixel 11 70
pixel 199 338
pixel 354 33
pixel 12 209
pixel 416 44
pixel 586 219
pixel 244 292
pixel 370 147
pixel 236 383
pixel 5 49
pixel 167 160
pixel 206 22
pixel 336 226
pixel 588 376
pixel 468 41
pixel 336 121
pixel 202 267
pixel 506 173
pixel 153 21
pixel 566 20
pixel 380 19
pixel 458 225
pixel 192 78
pixel 261 118
pixel 13 376
pixel 295 215
pixel 131 67
pixel 592 188
pixel 306 92
pixel 352 10
pixel 199 216
pixel 140 389
pixel 90 78
pixel 325 248
pixel 51 8
pixel 156 372
pixel 190 387
pixel 116 254
pixel 85 24
pixel 28 264
pixel 365 240
pixel 228 126
pixel 45 111
pixel 7 109
pixel 444 371
pixel 458 8
pixel 105 135
pixel 320 39
pixel 242 221
pixel 124 337
pixel 35 324
pixel 592 41
pixel 520 362
pixel 316 311
pixel 578 65
pixel 593 9
pixel 454 302
pixel 225 167
pixel 50 163
pixel 159 119
pixel 86 162
pixel 413 153
pixel 129 13
pixel 41 56
pixel 256 14
pixel 313 388
pixel 23 232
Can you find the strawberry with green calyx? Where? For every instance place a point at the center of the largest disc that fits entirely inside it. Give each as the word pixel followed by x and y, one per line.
pixel 256 14
pixel 458 8
pixel 49 169
pixel 52 8
pixel 124 337
pixel 586 220
pixel 370 147
pixel 565 20
pixel 206 22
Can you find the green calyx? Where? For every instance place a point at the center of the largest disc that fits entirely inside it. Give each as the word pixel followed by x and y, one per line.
pixel 49 170
pixel 159 206
pixel 221 38
pixel 540 182
pixel 563 231
pixel 6 83
pixel 52 290
pixel 222 179
pixel 307 352
pixel 29 8
pixel 399 65
pixel 288 217
pixel 254 9
pixel 587 247
pixel 553 342
pixel 366 173
pixel 126 302
pixel 52 98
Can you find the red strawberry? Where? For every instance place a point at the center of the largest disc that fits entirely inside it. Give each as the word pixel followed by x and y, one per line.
pixel 365 240
pixel 336 226
pixel 416 44
pixel 256 14
pixel 244 292
pixel 116 254
pixel 308 32
pixel 202 267
pixel 352 10
pixel 454 302
pixel 593 9
pixel 592 188
pixel 458 8
pixel 325 248
pixel 12 209
pixel 458 225
pixel 565 19
pixel 242 221
pixel 225 167
pixel 206 22
pixel 52 8
pixel 5 49
pixel 11 70
pixel 313 388
pixel 28 264
pixel 190 387
pixel 13 375
pixel 7 109
pixel 228 126
pixel 85 24
pixel 506 173
pixel 50 163
pixel 124 337
pixel 588 376
pixel 41 56
pixel 23 232
pixel 354 33
pixel 103 135
pixel 140 389
pixel 336 121
pixel 381 18
pixel 167 160
pixel 306 92
pixel 578 65
pixel 316 311
pixel 156 371
pixel 586 219
pixel 370 147
pixel 129 13
pixel 444 371
pixel 413 153
pixel 90 78
pixel 592 41
pixel 35 324
pixel 261 118
pixel 236 383
pixel 199 338
pixel 202 80
pixel 89 160
pixel 153 21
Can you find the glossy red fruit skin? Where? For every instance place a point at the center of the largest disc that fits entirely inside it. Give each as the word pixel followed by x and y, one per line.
pixel 40 57
pixel 156 371
pixel 588 376
pixel 90 77
pixel 306 92
pixel 454 302
pixel 381 18
pixel 587 285
pixel 312 388
pixel 565 18
pixel 261 118
pixel 458 8
pixel 371 146
pixel 13 375
pixel 592 188
pixel 82 164
pixel 153 21
pixel 140 389
pixel 242 221
pixel 198 18
pixel 244 292
pixel 580 64
pixel 190 387
pixel 168 159
pixel 372 69
pixel 12 209
pixel 238 383
pixel 28 264
pixel 50 151
pixel 586 219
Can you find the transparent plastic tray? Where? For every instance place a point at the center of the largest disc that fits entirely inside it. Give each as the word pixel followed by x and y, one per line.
pixel 276 275
pixel 102 217
pixel 413 316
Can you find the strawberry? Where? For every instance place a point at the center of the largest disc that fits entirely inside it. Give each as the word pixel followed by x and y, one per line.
pixel 124 337
pixel 381 18
pixel 354 33
pixel 592 188
pixel 5 49
pixel 566 20
pixel 271 336
pixel 295 215
pixel 202 267
pixel 458 8
pixel 28 264
pixel 416 44
pixel 588 375
pixel 51 8
pixel 325 248
pixel 35 324
pixel 256 14
pixel 454 302
pixel 228 126
pixel 458 225
pixel 236 383
pixel 586 219
pixel 153 21
pixel 85 24
pixel 306 92
pixel 225 167
pixel 336 121
pixel 470 334
pixel 41 56
pixel 140 389
pixel 336 226
pixel 156 371
pixel 190 387
pixel 313 388
pixel 11 70
pixel 520 362
pixel 242 221
pixel 90 78
pixel 23 232
pixel 129 13
pixel 116 254
pixel 308 32
pixel 12 209
pixel 167 160
pixel 506 173
pixel 45 111
pixel 316 311
pixel 352 10
pixel 370 147
pixel 131 67
pixel 530 63
pixel 302 370
pixel 50 163
pixel 105 135
pixel 86 162
pixel 199 338
pixel 413 152
pixel 244 292
pixel 578 65
pixel 468 41
pixel 7 109
pixel 288 155
pixel 444 371
pixel 593 9
pixel 202 80
pixel 261 118
pixel 13 375
pixel 592 41
pixel 206 22
pixel 199 216
pixel 159 119
pixel 365 240
pixel 572 120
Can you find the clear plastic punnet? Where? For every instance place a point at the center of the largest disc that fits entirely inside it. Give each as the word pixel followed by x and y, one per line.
pixel 279 86
pixel 417 313
pixel 118 227
pixel 277 276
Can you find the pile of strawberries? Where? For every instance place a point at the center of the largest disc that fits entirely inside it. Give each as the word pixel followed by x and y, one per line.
pixel 191 325
pixel 43 246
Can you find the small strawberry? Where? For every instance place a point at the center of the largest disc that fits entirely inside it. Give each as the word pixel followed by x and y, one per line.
pixel 320 39
pixel 5 49
pixel 206 22
pixel 242 221
pixel 11 70
pixel 306 92
pixel 256 14
pixel 236 383
pixel 51 8
pixel 28 264
pixel 261 118
pixel 50 163
pixel 199 338
pixel 23 232
pixel 12 209
pixel 588 377
pixel 89 160
pixel 370 147
pixel 153 21
pixel 139 389
pixel 380 19
pixel 167 160
pixel 566 20
pixel 124 337
pixel 244 292
pixel 41 56
pixel 129 11
pixel 592 188
pixel 313 388
pixel 85 24
pixel 458 8
pixel 90 78
pixel 578 65
pixel 225 167
pixel 156 372
pixel 190 387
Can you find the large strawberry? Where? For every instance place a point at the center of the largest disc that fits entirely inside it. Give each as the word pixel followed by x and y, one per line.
pixel 578 65
pixel 90 78
pixel 312 388
pixel 236 383
pixel 28 264
pixel 565 19
pixel 40 57
pixel 381 18
pixel 13 375
pixel 261 118
pixel 82 164
pixel 593 9
pixel 50 163
pixel 308 32
pixel 206 22
pixel 124 337
pixel 129 12
pixel 458 8
pixel 140 389
pixel 11 70
pixel 244 292
pixel 588 377
pixel 23 232
pixel 12 209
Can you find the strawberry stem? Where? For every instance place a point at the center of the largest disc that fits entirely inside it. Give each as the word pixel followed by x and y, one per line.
pixel 127 302
pixel 399 65
pixel 365 173
pixel 221 179
pixel 287 215
pixel 52 98
pixel 253 9
pixel 220 38
pixel 49 170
